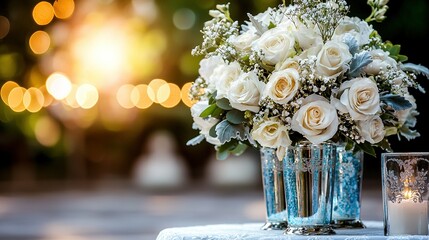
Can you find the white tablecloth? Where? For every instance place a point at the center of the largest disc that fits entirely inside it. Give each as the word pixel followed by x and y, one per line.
pixel 252 231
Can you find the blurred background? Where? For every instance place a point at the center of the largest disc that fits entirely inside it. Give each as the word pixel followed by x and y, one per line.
pixel 94 118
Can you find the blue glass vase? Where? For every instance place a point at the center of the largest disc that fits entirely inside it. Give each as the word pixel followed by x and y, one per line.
pixel 348 188
pixel 272 179
pixel 309 183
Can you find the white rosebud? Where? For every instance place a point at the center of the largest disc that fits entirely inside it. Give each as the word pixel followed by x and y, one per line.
pixel 356 27
pixel 360 97
pixel 216 14
pixel 372 130
pixel 245 92
pixel 223 76
pixel 316 120
pixel 308 37
pixel 276 45
pixel 243 42
pixel 288 63
pixel 282 86
pixel 333 59
pixel 380 62
pixel 207 67
pixel 271 133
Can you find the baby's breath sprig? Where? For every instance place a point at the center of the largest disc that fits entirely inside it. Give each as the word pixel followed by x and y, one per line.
pixel 325 14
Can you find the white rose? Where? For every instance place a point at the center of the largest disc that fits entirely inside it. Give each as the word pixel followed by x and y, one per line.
pixel 380 62
pixel 203 124
pixel 360 97
pixel 402 115
pixel 243 42
pixel 316 120
pixel 372 130
pixel 288 63
pixel 276 45
pixel 307 37
pixel 333 59
pixel 245 92
pixel 356 27
pixel 207 67
pixel 223 76
pixel 271 133
pixel 282 86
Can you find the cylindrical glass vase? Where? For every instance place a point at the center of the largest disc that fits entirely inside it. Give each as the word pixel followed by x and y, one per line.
pixel 309 183
pixel 347 189
pixel 405 193
pixel 272 179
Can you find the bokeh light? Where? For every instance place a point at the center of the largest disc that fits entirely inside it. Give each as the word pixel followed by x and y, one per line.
pixel 6 89
pixel 174 96
pixel 4 26
pixel 87 96
pixel 63 9
pixel 39 42
pixel 70 100
pixel 48 99
pixel 33 100
pixel 184 19
pixel 43 13
pixel 153 90
pixel 123 96
pixel 15 99
pixel 58 85
pixel 140 97
pixel 185 95
pixel 47 131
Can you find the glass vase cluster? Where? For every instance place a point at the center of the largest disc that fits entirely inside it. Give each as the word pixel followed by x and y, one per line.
pixel 315 188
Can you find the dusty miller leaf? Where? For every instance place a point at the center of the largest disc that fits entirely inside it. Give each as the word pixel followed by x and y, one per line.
pixel 396 102
pixel 359 61
pixel 226 131
pixel 196 140
pixel 416 68
pixel 260 29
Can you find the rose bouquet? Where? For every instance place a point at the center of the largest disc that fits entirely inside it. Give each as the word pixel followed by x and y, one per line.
pixel 304 71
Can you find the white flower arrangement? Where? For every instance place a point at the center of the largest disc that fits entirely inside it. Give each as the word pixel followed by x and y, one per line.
pixel 304 71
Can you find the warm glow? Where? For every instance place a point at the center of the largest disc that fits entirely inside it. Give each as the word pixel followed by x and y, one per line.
pixel 123 96
pixel 47 131
pixel 58 85
pixel 43 13
pixel 63 8
pixel 153 91
pixel 140 98
pixel 174 96
pixel 15 99
pixel 48 99
pixel 4 27
pixel 6 89
pixel 184 19
pixel 39 42
pixel 70 100
pixel 185 95
pixel 163 93
pixel 33 100
pixel 87 96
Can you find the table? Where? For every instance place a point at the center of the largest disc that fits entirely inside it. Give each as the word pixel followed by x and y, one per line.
pixel 252 231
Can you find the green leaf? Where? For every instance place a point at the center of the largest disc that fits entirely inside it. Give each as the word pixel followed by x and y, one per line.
pixel 208 111
pixel 366 147
pixel 240 149
pixel 396 102
pixel 224 104
pixel 385 145
pixel 272 25
pixel 394 50
pixel 217 112
pixel 212 131
pixel 224 150
pixel 235 116
pixel 402 58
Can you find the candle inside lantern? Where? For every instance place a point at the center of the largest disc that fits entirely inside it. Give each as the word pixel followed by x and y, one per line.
pixel 408 217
